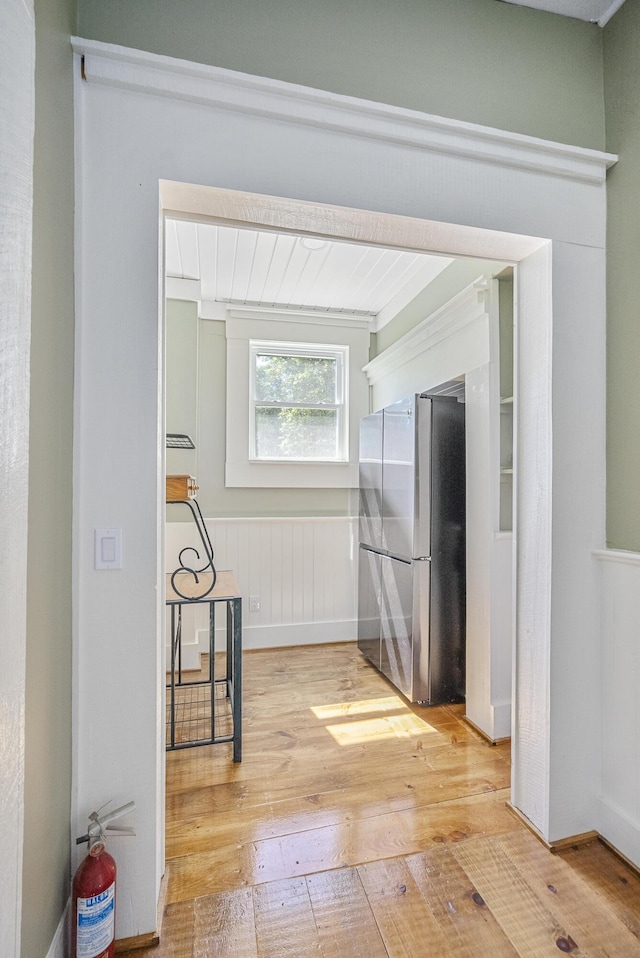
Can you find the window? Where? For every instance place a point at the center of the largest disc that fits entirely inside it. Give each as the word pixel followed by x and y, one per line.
pixel 298 405
pixel 295 424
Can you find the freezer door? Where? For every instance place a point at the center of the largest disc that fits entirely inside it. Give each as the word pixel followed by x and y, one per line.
pixel 369 588
pixel 370 524
pixel 396 626
pixel 399 478
pixel 421 691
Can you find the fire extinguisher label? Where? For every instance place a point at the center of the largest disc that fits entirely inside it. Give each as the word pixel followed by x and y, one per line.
pixel 96 923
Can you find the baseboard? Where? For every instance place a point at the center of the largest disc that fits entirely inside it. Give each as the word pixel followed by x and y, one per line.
pixel 299 633
pixel 619 831
pixel 497 722
pixel 268 637
pixel 571 841
pixel 149 940
pixel 501 721
pixel 152 938
pixel 483 735
pixel 60 945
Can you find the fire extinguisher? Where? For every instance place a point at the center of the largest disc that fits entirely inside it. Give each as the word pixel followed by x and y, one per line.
pixel 94 890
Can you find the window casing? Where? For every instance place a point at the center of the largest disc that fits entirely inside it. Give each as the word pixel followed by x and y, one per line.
pixel 309 334
pixel 298 404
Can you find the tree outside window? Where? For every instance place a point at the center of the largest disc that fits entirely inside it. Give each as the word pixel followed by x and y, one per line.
pixel 298 402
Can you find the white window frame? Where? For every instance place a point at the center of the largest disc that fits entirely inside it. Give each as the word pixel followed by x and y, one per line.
pixel 243 325
pixel 315 351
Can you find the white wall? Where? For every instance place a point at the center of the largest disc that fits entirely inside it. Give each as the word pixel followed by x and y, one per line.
pixel 619 580
pixel 17 55
pixel 444 185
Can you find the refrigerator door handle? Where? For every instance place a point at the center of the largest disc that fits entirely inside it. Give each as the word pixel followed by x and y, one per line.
pixel 423 559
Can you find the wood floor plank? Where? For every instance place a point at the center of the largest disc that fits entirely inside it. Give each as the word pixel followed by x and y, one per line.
pixel 608 877
pixel 532 924
pixel 271 767
pixel 469 929
pixel 285 923
pixel 224 925
pixel 590 919
pixel 352 843
pixel 205 823
pixel 178 934
pixel 344 919
pixel 407 924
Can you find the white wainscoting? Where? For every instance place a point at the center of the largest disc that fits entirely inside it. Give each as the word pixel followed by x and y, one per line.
pixel 302 570
pixel 60 945
pixel 620 793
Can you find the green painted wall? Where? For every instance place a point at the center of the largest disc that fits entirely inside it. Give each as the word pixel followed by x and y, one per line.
pixel 47 862
pixel 622 103
pixel 478 60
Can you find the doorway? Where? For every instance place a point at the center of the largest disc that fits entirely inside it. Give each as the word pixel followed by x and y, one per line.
pixel 492 268
pixel 507 191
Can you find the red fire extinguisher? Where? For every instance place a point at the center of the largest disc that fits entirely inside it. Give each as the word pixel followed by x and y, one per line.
pixel 94 890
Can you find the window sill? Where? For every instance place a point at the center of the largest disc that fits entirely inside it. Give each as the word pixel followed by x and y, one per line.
pixel 292 475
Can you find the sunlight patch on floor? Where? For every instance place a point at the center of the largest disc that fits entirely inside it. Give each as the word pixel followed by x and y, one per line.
pixel 390 704
pixel 377 729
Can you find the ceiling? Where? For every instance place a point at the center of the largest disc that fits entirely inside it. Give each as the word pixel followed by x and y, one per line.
pixel 221 266
pixel 594 11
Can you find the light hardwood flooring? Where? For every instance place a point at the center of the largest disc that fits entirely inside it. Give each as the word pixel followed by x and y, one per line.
pixel 357 825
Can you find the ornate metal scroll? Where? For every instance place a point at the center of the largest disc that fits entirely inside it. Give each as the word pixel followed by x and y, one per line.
pixel 191 566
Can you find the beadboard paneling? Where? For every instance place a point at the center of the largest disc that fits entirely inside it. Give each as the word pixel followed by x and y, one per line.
pixel 303 570
pixel 620 665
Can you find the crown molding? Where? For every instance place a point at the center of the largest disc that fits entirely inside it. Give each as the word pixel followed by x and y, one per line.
pixel 150 73
pixel 466 307
pixel 313 318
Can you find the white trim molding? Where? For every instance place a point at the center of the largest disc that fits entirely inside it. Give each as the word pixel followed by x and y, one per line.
pixel 619 804
pixel 243 471
pixel 233 313
pixel 61 940
pixel 465 308
pixel 150 73
pixel 617 555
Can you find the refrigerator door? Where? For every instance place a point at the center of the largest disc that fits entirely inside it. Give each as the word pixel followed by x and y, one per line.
pixel 399 478
pixel 396 625
pixel 448 558
pixel 369 585
pixel 370 523
pixel 422 513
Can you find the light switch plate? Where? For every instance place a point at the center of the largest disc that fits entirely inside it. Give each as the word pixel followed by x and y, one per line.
pixel 108 549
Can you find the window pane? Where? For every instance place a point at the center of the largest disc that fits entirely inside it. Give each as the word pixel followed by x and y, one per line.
pixel 303 379
pixel 296 433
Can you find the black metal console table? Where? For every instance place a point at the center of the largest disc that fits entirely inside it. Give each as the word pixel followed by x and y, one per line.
pixel 206 709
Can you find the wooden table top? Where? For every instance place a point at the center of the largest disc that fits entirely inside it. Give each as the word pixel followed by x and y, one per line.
pixel 226 587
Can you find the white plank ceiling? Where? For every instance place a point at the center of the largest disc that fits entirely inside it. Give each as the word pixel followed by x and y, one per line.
pixel 594 11
pixel 241 267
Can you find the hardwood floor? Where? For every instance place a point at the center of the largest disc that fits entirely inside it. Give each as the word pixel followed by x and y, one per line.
pixel 357 825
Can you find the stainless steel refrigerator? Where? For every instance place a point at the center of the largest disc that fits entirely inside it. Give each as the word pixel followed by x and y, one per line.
pixel 411 590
